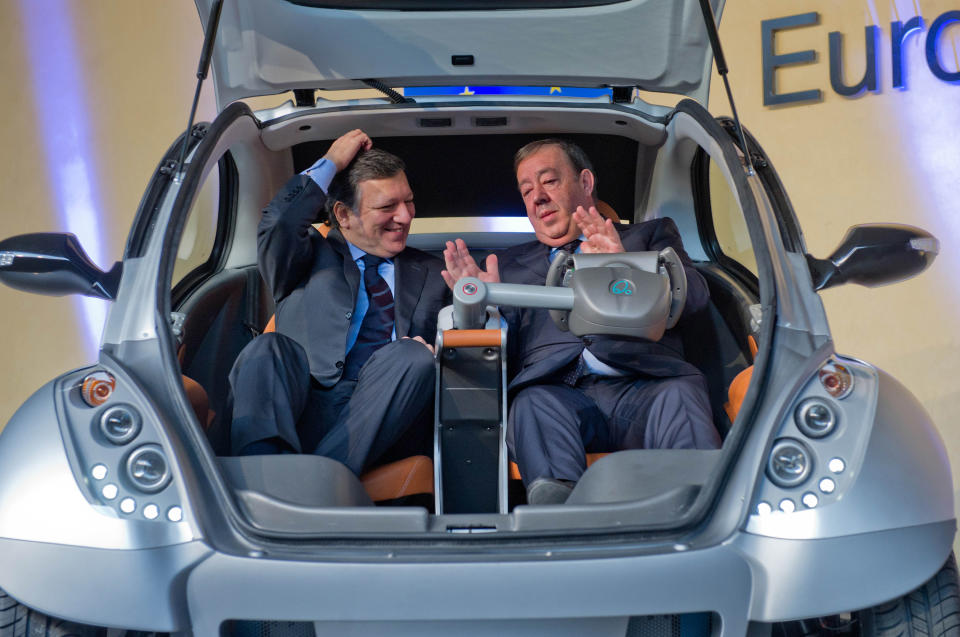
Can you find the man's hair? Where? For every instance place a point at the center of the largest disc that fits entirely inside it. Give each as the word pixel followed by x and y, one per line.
pixel 574 153
pixel 367 165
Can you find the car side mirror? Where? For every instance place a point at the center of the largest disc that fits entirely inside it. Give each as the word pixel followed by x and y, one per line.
pixel 55 264
pixel 875 254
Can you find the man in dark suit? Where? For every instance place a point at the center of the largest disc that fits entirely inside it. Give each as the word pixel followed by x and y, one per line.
pixel 349 368
pixel 572 395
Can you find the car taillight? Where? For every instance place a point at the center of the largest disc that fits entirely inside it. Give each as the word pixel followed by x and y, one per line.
pixel 836 380
pixel 97 388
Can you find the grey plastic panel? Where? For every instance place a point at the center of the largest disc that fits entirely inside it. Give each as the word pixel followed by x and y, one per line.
pixel 412 588
pixel 134 589
pixel 471 296
pixel 568 627
pixel 278 516
pixel 620 301
pixel 641 474
pixel 311 494
pixel 304 480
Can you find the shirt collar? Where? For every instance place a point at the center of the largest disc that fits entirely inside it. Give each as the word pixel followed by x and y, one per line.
pixel 357 254
pixel 553 251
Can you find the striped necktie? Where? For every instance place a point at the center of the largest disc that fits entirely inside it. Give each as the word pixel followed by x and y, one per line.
pixel 376 329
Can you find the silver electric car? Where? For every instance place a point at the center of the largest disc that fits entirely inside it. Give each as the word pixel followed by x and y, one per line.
pixel 828 509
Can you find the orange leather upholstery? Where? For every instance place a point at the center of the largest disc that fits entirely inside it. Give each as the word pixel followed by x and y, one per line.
pixel 607 211
pixel 515 470
pixel 741 382
pixel 736 393
pixel 409 476
pixel 197 396
pixel 471 338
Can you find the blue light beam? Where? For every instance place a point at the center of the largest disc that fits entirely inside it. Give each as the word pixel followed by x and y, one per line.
pixel 63 122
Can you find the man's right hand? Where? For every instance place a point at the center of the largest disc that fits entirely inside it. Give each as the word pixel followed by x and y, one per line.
pixel 460 264
pixel 345 148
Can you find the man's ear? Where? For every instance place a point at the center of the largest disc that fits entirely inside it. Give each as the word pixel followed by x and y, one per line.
pixel 343 214
pixel 587 182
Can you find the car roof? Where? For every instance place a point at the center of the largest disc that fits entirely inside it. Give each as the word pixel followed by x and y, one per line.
pixel 265 47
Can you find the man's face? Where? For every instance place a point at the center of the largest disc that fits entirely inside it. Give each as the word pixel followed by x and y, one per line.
pixel 382 221
pixel 552 191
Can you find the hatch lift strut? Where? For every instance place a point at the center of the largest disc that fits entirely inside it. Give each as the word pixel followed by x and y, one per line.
pixel 711 25
pixel 202 69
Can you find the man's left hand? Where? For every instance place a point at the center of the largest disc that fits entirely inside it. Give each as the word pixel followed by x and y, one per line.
pixel 601 236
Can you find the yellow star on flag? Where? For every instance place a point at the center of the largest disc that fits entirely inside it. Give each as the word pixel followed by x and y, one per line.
pixel 555 89
pixel 467 91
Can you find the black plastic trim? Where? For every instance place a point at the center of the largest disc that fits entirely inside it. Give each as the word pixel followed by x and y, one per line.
pixel 422 105
pixel 213 505
pixel 150 203
pixel 790 232
pixel 768 302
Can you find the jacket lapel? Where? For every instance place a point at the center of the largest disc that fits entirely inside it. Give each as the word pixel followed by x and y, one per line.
pixel 536 261
pixel 408 283
pixel 350 270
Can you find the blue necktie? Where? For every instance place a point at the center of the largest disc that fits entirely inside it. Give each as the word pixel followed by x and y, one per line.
pixel 376 329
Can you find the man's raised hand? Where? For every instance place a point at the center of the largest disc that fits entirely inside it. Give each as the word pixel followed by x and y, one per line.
pixel 601 236
pixel 460 264
pixel 345 148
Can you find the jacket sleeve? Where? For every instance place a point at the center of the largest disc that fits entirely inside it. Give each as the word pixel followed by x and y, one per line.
pixel 285 235
pixel 665 235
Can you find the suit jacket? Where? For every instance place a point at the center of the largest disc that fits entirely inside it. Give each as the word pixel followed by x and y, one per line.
pixel 539 350
pixel 315 281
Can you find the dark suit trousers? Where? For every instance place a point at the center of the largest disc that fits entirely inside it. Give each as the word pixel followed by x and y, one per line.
pixel 356 421
pixel 551 427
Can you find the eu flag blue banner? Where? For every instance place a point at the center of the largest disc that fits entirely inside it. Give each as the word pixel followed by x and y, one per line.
pixel 560 91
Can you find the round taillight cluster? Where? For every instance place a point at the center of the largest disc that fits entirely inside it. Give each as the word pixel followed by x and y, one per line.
pixel 129 472
pixel 120 424
pixel 790 463
pixel 815 418
pixel 148 469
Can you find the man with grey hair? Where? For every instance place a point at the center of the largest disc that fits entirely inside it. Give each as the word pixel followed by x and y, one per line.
pixel 570 395
pixel 349 368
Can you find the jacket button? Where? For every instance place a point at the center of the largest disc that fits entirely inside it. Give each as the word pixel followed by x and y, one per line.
pixel 349 315
pixel 339 364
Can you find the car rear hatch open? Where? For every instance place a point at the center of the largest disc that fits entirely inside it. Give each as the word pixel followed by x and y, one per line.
pixel 265 47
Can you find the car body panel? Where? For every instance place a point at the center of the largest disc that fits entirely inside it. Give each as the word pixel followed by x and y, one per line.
pixel 592 568
pixel 266 47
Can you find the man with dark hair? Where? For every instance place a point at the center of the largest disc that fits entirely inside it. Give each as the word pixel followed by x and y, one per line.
pixel 349 368
pixel 571 395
